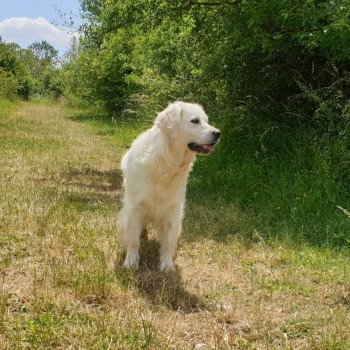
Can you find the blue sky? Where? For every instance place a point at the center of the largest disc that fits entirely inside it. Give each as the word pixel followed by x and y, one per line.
pixel 26 21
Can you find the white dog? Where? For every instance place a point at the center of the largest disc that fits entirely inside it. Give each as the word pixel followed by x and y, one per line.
pixel 155 171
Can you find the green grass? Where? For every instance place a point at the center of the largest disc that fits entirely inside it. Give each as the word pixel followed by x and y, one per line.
pixel 6 107
pixel 283 181
pixel 62 284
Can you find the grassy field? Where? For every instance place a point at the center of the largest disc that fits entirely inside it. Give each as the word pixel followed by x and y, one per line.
pixel 62 285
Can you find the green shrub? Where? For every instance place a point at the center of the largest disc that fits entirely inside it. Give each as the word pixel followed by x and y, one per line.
pixel 13 72
pixel 99 76
pixel 8 84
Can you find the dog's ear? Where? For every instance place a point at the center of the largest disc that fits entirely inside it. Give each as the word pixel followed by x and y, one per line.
pixel 169 119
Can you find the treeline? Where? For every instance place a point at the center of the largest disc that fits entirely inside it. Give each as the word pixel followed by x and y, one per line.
pixel 32 72
pixel 289 57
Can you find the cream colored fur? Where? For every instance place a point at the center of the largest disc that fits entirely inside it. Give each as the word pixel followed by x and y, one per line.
pixel 155 171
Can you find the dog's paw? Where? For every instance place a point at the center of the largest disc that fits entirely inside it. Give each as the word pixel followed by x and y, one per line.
pixel 167 263
pixel 132 260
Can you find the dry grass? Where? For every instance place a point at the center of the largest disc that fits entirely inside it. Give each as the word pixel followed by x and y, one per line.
pixel 62 286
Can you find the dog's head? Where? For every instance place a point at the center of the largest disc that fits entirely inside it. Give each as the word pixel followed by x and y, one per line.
pixel 187 123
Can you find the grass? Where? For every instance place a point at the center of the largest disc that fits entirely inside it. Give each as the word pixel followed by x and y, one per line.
pixel 62 285
pixel 284 181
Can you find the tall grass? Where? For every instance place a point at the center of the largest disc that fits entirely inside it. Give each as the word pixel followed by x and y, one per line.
pixel 285 179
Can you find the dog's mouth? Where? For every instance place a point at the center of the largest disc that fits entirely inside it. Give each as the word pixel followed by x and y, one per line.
pixel 202 149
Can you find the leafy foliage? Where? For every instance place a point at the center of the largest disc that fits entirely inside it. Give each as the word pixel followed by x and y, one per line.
pixel 14 78
pixel 45 52
pixel 8 84
pixel 28 72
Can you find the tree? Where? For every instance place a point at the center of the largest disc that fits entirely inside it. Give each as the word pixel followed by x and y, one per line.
pixel 15 79
pixel 73 50
pixel 42 60
pixel 44 52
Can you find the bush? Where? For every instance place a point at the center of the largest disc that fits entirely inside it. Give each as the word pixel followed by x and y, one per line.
pixel 13 72
pixel 8 84
pixel 99 76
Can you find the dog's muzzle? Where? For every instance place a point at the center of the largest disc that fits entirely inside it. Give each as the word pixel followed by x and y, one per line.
pixel 207 148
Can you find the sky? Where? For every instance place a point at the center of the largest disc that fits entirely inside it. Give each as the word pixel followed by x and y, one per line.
pixel 27 21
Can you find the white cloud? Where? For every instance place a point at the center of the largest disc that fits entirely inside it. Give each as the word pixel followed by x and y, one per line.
pixel 24 31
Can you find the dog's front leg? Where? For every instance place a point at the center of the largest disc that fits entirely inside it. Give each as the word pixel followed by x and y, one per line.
pixel 169 235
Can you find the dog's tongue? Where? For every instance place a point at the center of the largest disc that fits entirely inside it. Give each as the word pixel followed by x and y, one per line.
pixel 209 148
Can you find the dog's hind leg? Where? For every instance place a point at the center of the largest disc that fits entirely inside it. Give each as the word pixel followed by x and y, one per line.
pixel 129 224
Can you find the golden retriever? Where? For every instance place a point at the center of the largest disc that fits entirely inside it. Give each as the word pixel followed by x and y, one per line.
pixel 155 171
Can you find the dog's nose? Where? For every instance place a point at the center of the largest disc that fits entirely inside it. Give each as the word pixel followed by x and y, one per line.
pixel 216 134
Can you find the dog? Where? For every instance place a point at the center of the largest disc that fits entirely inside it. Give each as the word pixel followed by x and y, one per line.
pixel 155 172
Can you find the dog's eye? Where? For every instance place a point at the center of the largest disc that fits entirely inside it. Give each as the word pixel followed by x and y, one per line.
pixel 195 121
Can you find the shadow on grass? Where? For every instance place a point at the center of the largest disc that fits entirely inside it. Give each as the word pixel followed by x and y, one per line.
pixel 81 190
pixel 89 186
pixel 161 289
pixel 109 180
pixel 91 116
pixel 108 119
pixel 85 190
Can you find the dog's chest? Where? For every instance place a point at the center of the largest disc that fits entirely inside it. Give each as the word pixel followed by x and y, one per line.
pixel 164 191
pixel 171 181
